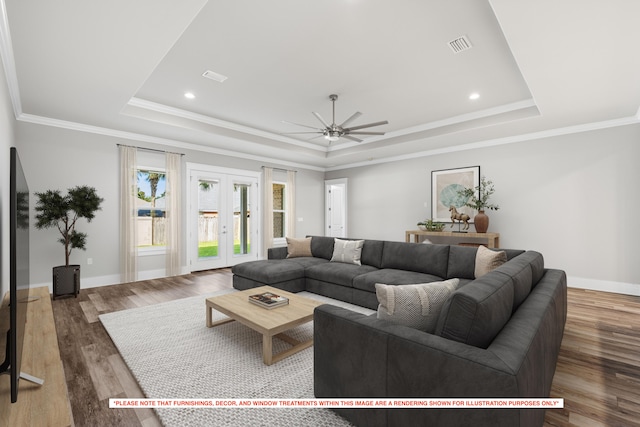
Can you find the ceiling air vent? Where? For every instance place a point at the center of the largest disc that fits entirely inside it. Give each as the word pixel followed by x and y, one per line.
pixel 214 76
pixel 460 44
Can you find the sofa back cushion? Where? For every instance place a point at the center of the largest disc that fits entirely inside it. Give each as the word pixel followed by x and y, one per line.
pixel 525 271
pixel 322 247
pixel 372 253
pixel 478 311
pixel 423 258
pixel 462 261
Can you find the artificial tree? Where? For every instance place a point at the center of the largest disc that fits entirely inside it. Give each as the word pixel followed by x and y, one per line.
pixel 55 210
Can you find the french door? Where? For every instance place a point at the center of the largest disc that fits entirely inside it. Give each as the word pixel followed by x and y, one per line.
pixel 222 217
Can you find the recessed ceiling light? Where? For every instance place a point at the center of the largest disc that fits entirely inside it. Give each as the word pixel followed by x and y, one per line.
pixel 474 96
pixel 189 95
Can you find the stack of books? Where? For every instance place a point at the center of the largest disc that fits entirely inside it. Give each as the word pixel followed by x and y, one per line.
pixel 268 300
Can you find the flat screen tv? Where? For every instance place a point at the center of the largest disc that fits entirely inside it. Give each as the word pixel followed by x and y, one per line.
pixel 19 274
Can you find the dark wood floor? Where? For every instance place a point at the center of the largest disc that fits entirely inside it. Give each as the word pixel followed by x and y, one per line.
pixel 598 372
pixel 93 367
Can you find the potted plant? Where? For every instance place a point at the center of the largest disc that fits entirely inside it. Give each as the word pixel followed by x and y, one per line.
pixel 478 199
pixel 62 212
pixel 431 225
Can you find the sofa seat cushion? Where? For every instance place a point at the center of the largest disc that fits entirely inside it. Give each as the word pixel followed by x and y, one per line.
pixel 390 276
pixel 308 261
pixel 270 271
pixel 337 272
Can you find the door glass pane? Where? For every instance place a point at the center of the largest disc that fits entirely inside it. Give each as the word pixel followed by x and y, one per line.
pixel 241 214
pixel 208 218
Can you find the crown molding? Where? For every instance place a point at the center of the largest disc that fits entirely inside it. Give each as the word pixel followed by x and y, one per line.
pixel 177 112
pixel 80 127
pixel 587 127
pixel 449 121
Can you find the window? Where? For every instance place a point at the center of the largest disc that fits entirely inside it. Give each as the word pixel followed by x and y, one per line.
pixel 279 214
pixel 151 208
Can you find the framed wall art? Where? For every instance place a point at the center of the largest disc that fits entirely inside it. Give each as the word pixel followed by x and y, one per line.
pixel 445 185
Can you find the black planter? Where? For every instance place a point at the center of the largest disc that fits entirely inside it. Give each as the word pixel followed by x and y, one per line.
pixel 66 281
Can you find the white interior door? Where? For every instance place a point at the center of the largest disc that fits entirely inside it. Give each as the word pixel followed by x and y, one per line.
pixel 336 208
pixel 222 230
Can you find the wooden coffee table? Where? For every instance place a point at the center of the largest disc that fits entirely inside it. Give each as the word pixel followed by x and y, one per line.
pixel 270 323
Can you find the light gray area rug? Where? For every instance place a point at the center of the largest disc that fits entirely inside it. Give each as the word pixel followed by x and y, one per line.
pixel 172 354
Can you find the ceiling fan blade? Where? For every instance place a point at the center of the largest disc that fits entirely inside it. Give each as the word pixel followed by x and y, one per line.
pixel 319 117
pixel 368 125
pixel 299 133
pixel 315 137
pixel 351 138
pixel 365 133
pixel 304 126
pixel 350 119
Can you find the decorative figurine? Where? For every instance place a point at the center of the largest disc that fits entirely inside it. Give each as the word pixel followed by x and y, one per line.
pixel 456 216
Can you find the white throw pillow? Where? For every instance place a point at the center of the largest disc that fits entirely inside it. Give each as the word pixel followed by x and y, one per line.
pixel 487 260
pixel 347 251
pixel 417 306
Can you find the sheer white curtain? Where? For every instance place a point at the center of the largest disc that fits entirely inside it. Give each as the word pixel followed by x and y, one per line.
pixel 128 223
pixel 290 204
pixel 267 216
pixel 173 214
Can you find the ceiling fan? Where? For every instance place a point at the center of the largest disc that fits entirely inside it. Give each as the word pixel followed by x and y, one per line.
pixel 333 132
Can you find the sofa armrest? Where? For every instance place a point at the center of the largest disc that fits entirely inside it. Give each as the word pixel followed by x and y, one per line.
pixel 349 357
pixel 348 348
pixel 280 252
pixel 359 356
pixel 362 356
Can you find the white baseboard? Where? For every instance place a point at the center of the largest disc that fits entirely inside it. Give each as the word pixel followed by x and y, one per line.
pixel 112 279
pixel 572 282
pixel 604 285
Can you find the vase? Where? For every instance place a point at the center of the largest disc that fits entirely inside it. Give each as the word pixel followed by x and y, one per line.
pixel 481 222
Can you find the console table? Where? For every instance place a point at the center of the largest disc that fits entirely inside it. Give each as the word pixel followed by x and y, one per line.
pixel 46 404
pixel 493 239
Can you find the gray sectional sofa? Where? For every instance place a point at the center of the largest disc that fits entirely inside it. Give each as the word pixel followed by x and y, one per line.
pixel 497 336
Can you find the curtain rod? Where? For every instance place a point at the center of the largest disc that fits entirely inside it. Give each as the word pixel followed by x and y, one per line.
pixel 280 169
pixel 149 149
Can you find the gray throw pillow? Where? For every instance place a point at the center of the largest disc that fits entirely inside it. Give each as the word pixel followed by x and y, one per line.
pixel 417 306
pixel 347 251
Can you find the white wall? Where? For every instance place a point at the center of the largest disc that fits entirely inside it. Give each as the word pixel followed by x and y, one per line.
pixel 7 120
pixel 55 158
pixel 574 198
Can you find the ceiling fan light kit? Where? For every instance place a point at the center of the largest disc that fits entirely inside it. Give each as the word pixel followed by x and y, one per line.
pixel 333 132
